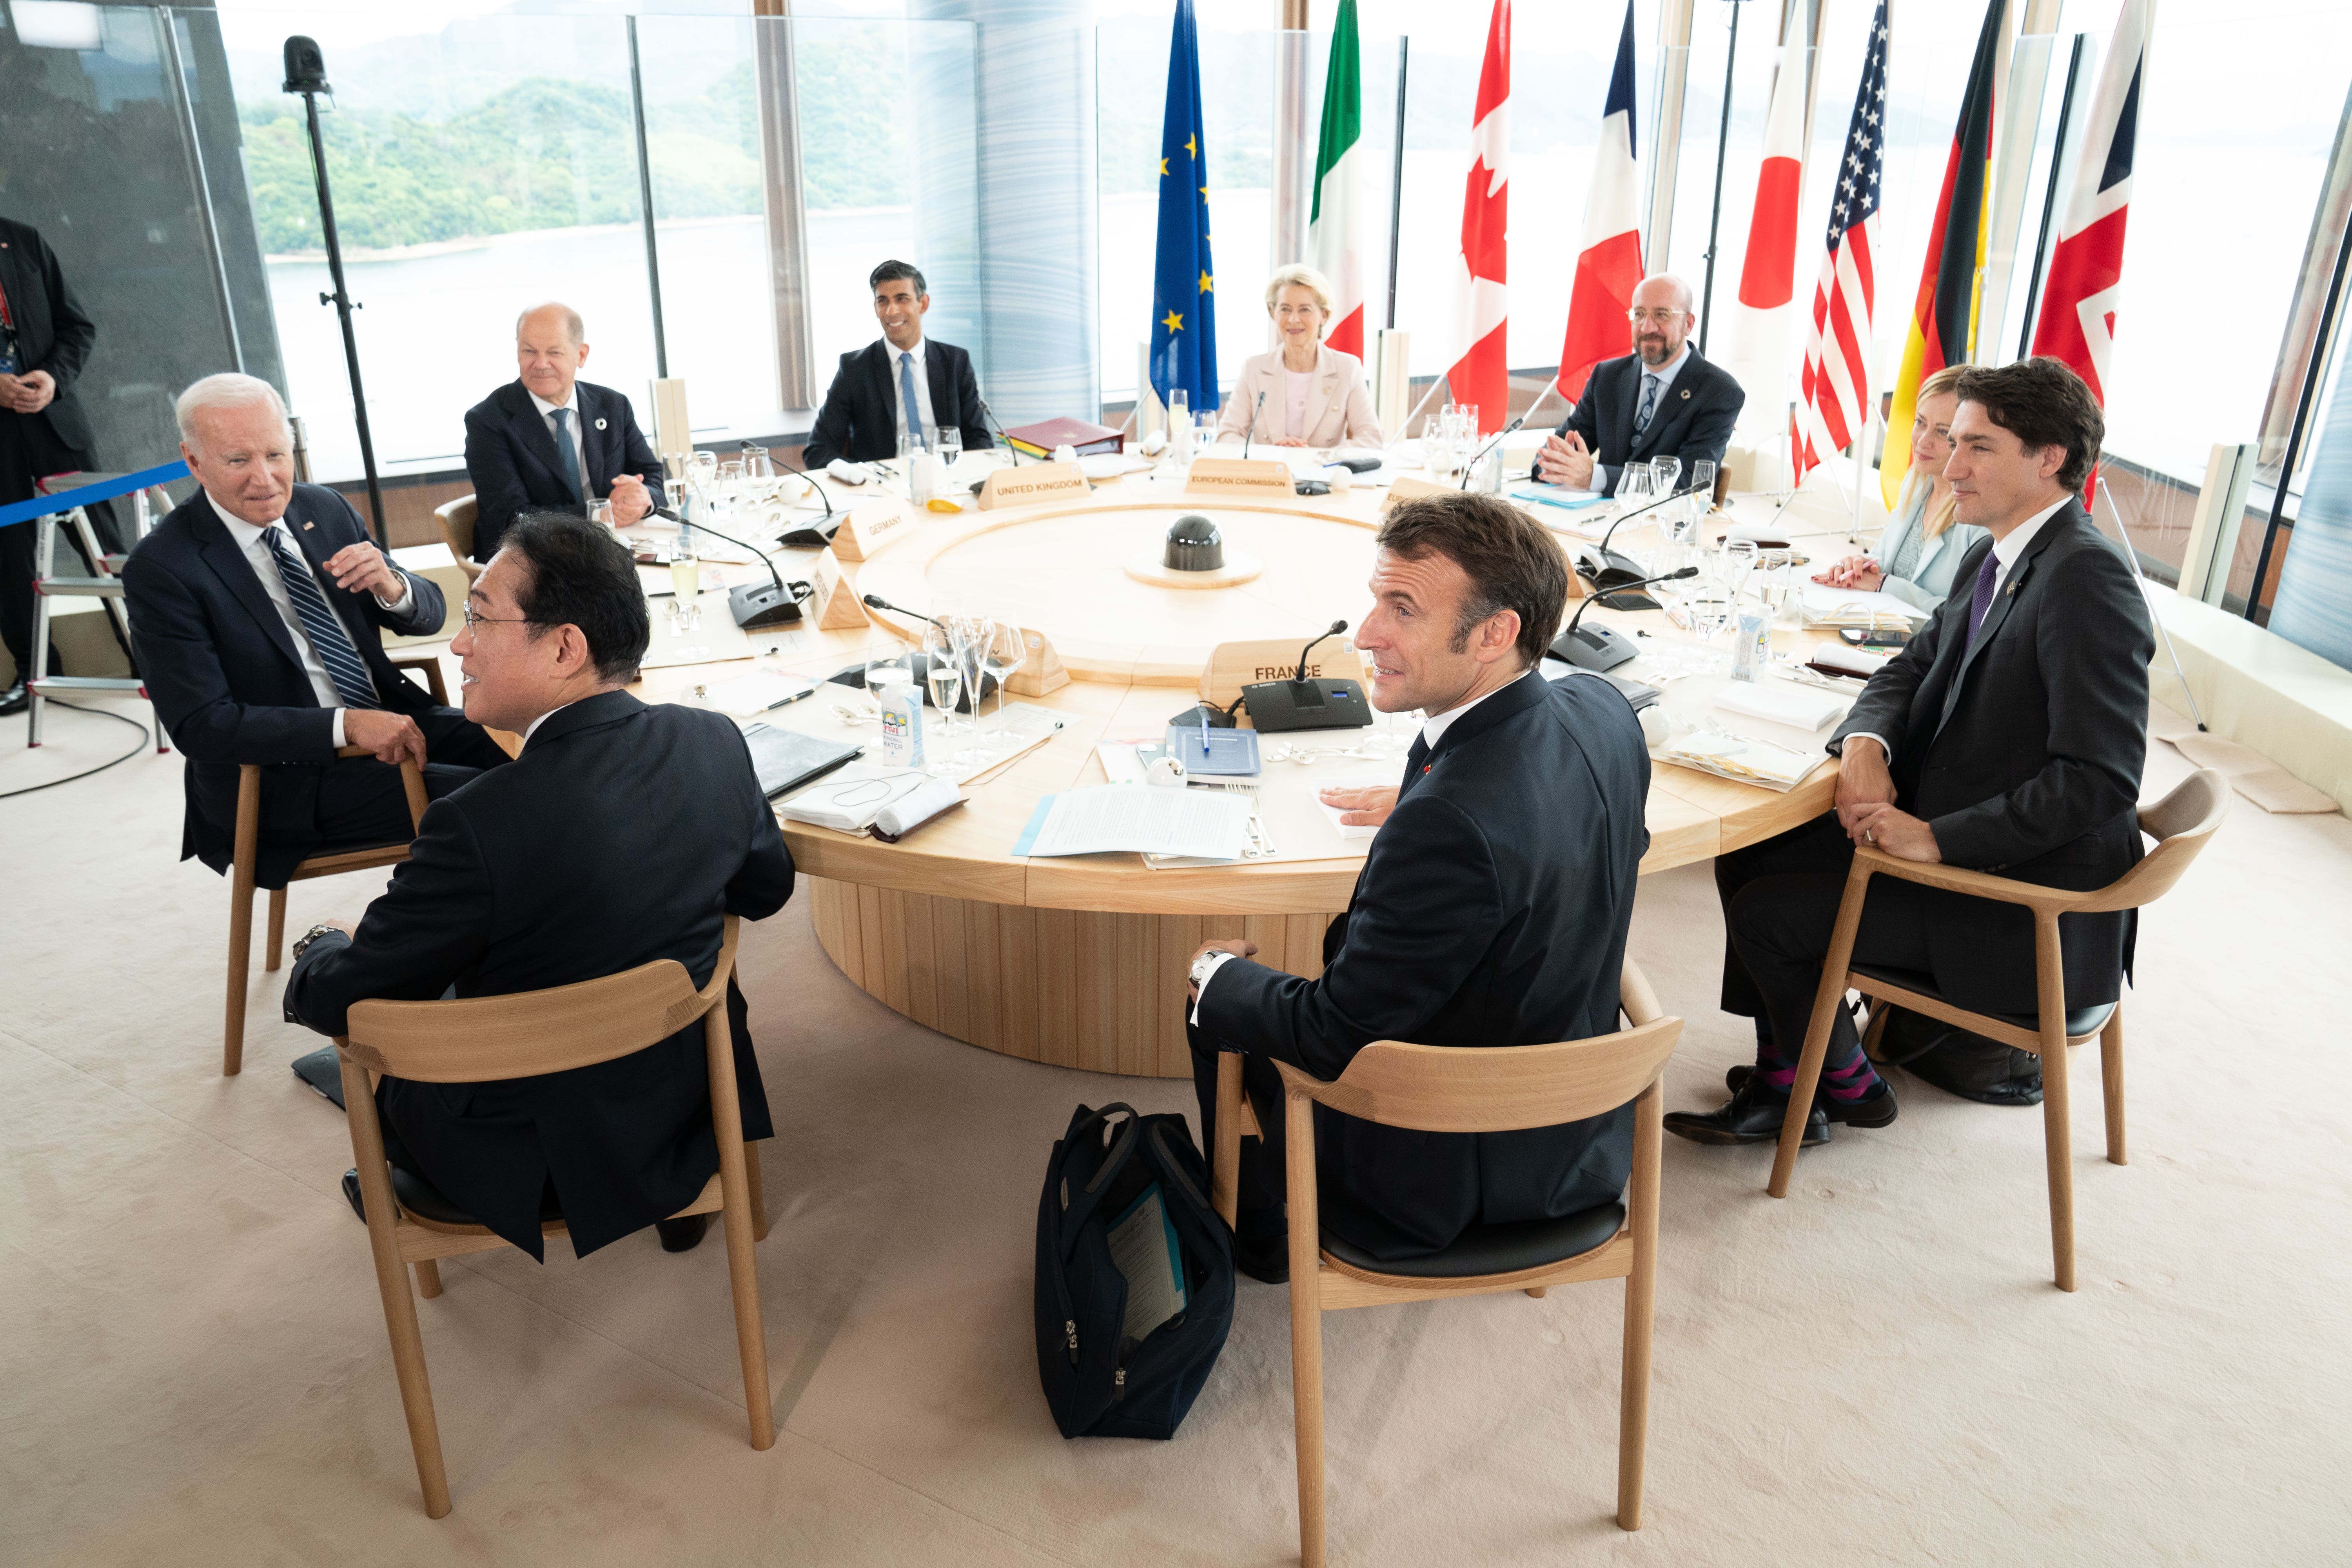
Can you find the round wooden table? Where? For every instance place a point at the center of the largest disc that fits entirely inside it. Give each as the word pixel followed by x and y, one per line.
pixel 1079 960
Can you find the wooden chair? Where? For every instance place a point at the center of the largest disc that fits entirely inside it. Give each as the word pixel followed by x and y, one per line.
pixel 457 520
pixel 240 895
pixel 2181 823
pixel 526 1035
pixel 1452 1089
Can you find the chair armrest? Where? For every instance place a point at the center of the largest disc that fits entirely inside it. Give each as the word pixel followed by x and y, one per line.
pixel 1975 884
pixel 411 781
pixel 430 663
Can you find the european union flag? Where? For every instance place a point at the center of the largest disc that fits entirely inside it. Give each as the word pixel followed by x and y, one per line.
pixel 1183 307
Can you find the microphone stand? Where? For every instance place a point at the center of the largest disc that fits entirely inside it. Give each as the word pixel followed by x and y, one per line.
pixel 1478 456
pixel 1251 434
pixel 988 418
pixel 1336 627
pixel 750 604
pixel 1619 571
pixel 1602 650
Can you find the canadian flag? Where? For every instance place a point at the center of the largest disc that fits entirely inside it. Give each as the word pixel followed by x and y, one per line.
pixel 2077 324
pixel 1482 315
pixel 1332 236
pixel 1609 264
pixel 1757 352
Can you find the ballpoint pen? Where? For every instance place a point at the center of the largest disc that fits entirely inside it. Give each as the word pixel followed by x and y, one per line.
pixel 1204 735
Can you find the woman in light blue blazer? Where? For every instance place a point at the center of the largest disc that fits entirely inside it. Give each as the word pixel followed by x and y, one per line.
pixel 1919 552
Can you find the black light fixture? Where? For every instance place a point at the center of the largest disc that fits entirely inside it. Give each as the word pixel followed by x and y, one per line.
pixel 305 73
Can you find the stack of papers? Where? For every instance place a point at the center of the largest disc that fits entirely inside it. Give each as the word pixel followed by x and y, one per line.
pixel 1803 708
pixel 1552 495
pixel 1758 762
pixel 1828 606
pixel 1210 824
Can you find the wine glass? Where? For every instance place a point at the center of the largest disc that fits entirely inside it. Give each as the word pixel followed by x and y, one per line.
pixel 949 451
pixel 685 590
pixel 943 672
pixel 1005 652
pixel 703 470
pixel 1709 601
pixel 1664 472
pixel 973 633
pixel 1738 564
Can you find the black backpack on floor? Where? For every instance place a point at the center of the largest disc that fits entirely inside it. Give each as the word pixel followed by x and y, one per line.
pixel 1099 1382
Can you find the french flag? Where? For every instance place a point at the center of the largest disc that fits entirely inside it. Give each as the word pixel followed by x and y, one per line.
pixel 1609 264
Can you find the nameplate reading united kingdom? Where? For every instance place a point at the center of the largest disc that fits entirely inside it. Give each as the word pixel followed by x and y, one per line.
pixel 868 525
pixel 1031 483
pixel 1239 477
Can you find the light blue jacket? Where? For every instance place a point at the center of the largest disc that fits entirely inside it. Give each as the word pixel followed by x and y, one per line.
pixel 1939 559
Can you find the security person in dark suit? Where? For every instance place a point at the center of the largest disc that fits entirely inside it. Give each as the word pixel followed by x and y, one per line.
pixel 1492 910
pixel 45 339
pixel 257 611
pixel 552 871
pixel 864 416
pixel 2006 736
pixel 1662 400
pixel 549 440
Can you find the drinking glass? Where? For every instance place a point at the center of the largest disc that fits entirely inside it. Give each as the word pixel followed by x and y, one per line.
pixel 1635 485
pixel 972 634
pixel 943 672
pixel 1665 472
pixel 951 449
pixel 886 669
pixel 1709 598
pixel 1739 565
pixel 703 470
pixel 1005 651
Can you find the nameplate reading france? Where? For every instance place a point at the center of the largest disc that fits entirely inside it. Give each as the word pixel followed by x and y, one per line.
pixel 1239 476
pixel 1031 483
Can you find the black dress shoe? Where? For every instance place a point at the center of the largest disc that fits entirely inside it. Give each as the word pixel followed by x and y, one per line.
pixel 1752 1115
pixel 352 1193
pixel 1870 1110
pixel 15 699
pixel 1266 1259
pixel 682 1235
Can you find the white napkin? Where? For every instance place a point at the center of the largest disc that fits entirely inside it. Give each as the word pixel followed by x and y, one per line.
pixel 1781 703
pixel 928 801
pixel 848 473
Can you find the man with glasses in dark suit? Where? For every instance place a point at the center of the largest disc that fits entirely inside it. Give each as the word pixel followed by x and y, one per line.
pixel 549 441
pixel 1663 400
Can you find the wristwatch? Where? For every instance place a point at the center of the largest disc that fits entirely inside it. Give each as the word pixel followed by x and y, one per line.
pixel 308 936
pixel 1206 966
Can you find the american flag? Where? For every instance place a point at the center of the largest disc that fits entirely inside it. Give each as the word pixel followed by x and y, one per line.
pixel 1831 411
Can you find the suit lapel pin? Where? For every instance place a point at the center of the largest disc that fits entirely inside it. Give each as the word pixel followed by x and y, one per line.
pixel 1685 394
pixel 600 425
pixel 308 526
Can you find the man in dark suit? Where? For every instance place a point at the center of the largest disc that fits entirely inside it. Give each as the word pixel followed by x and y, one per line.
pixel 549 440
pixel 1492 910
pixel 864 416
pixel 45 339
pixel 258 610
pixel 2006 736
pixel 623 834
pixel 1662 400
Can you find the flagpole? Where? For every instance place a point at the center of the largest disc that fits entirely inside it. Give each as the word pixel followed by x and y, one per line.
pixel 1722 144
pixel 1396 178
pixel 1869 423
pixel 2050 198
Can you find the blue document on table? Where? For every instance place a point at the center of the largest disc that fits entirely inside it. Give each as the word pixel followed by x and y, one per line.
pixel 1552 495
pixel 1222 754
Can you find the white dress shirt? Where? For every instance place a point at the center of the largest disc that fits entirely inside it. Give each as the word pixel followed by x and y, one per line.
pixel 2006 551
pixel 1665 374
pixel 579 438
pixel 253 543
pixel 532 727
pixel 1431 729
pixel 924 419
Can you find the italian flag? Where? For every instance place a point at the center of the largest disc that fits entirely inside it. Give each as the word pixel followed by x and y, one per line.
pixel 1340 156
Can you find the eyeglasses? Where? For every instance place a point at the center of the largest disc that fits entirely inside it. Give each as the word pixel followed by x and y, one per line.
pixel 473 620
pixel 1658 318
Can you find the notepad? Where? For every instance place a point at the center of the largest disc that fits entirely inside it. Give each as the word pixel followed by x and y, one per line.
pixel 1782 703
pixel 1230 753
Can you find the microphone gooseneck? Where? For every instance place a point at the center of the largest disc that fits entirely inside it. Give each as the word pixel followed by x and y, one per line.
pixel 1623 519
pixel 812 484
pixel 757 553
pixel 876 602
pixel 1621 588
pixel 999 437
pixel 1251 434
pixel 1336 628
pixel 1500 436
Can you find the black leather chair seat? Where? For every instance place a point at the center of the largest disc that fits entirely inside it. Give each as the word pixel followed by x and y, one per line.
pixel 421 1199
pixel 1495 1249
pixel 2079 1021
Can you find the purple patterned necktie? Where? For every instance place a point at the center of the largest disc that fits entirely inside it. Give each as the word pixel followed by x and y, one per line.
pixel 1981 600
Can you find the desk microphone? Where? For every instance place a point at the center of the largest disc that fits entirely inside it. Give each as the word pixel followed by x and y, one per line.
pixel 820 535
pixel 1472 466
pixel 1336 627
pixel 987 419
pixel 1597 647
pixel 1619 571
pixel 917 658
pixel 753 605
pixel 1251 434
pixel 876 602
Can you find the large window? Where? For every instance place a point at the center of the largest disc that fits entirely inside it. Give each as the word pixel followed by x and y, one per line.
pixel 485 164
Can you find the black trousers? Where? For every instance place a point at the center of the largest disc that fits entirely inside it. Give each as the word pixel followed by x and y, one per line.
pixel 1780 903
pixel 362 801
pixel 29 450
pixel 1260 1186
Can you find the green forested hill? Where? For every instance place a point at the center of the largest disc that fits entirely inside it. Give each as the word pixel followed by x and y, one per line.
pixel 547 153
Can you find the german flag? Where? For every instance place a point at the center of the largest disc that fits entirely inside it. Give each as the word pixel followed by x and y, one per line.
pixel 1951 282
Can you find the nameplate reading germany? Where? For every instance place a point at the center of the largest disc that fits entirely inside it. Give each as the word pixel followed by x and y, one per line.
pixel 1033 483
pixel 868 525
pixel 1239 476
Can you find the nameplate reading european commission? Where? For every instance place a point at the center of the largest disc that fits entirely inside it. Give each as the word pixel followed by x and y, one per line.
pixel 1239 476
pixel 1033 482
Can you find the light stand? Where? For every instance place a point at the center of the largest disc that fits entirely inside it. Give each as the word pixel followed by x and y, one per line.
pixel 305 73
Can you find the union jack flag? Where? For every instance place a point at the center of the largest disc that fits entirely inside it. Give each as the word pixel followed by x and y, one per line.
pixel 1831 411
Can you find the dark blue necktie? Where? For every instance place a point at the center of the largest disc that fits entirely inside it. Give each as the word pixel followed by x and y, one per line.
pixel 565 452
pixel 1980 602
pixel 1416 766
pixel 906 396
pixel 328 638
pixel 1648 404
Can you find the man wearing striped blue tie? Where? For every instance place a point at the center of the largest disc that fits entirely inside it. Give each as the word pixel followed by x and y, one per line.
pixel 258 610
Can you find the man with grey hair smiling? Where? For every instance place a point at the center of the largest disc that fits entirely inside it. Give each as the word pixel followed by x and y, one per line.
pixel 548 441
pixel 258 610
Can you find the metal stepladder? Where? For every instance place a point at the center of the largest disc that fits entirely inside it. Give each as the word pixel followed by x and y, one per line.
pixel 107 584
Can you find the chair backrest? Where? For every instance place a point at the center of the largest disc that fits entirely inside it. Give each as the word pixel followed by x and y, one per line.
pixel 457 520
pixel 2181 823
pixel 533 1033
pixel 1500 1088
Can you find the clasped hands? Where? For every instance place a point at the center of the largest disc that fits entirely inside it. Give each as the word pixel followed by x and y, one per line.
pixel 1853 572
pixel 29 392
pixel 1565 461
pixel 631 501
pixel 1865 807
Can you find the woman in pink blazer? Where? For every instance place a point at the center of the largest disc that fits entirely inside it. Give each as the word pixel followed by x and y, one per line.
pixel 1314 396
